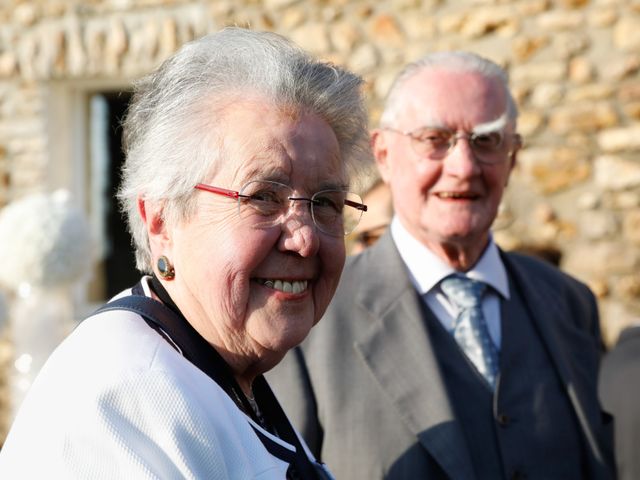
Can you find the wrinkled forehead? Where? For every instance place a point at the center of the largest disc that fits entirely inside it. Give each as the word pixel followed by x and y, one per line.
pixel 454 99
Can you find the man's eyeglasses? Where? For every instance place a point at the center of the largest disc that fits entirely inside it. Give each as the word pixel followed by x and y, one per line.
pixel 435 143
pixel 265 203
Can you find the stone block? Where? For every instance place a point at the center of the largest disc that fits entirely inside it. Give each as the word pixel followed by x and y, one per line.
pixel 555 169
pixel 627 287
pixel 488 20
pixel 620 139
pixel 618 69
pixel 364 59
pixel 631 226
pixel 559 20
pixel 292 17
pixel 602 259
pixel 602 17
pixel 616 173
pixel 530 8
pixel 25 14
pixel 420 27
pixel 587 117
pixel 588 201
pixel 628 92
pixel 530 122
pixel 524 47
pixel 8 64
pixel 625 200
pixel 76 52
pixel 451 22
pixel 547 95
pixel 278 4
pixel 344 36
pixel 598 225
pixel 632 111
pixel 168 41
pixel 385 30
pixel 567 45
pixel 591 92
pixel 626 34
pixel 313 37
pixel 580 70
pixel 573 4
pixel 534 73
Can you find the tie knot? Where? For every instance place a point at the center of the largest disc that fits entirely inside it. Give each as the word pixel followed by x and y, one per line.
pixel 464 292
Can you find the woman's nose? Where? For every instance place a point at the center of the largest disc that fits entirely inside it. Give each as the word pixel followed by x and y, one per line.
pixel 299 232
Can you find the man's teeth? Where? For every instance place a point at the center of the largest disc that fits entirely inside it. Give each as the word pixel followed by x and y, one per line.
pixel 287 287
pixel 454 195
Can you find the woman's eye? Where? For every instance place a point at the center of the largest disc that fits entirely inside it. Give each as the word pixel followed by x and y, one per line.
pixel 328 203
pixel 266 196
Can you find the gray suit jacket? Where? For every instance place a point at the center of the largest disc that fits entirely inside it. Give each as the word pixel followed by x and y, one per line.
pixel 366 391
pixel 620 395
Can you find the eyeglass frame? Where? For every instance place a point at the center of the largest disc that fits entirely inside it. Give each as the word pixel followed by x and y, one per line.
pixel 236 195
pixel 453 141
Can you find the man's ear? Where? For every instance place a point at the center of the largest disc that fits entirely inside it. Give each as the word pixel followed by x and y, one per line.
pixel 513 156
pixel 159 236
pixel 380 153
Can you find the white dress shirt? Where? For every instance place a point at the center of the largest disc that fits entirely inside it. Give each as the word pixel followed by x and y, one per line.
pixel 427 270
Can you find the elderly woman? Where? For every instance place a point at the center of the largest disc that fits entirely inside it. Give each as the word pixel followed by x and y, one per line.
pixel 238 156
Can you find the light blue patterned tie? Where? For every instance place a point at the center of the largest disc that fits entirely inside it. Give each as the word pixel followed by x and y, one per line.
pixel 470 328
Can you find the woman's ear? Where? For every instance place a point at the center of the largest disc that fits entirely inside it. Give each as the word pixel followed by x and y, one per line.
pixel 153 218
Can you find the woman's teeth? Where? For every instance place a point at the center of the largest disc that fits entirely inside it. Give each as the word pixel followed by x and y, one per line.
pixel 285 286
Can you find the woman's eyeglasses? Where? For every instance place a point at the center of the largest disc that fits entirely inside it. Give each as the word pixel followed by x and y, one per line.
pixel 489 148
pixel 265 203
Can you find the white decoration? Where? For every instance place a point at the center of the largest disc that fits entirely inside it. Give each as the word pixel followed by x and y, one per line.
pixel 45 241
pixel 4 314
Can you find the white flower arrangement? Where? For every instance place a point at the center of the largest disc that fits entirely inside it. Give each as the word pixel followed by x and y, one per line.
pixel 4 311
pixel 45 241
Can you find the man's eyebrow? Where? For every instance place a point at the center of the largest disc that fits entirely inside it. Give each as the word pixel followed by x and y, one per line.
pixel 493 126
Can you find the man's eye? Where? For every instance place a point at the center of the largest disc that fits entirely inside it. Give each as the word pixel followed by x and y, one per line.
pixel 434 137
pixel 487 141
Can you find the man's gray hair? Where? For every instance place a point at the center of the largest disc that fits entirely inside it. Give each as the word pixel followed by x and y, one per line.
pixel 173 131
pixel 450 61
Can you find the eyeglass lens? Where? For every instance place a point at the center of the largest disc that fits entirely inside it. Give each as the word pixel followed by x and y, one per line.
pixel 436 143
pixel 265 202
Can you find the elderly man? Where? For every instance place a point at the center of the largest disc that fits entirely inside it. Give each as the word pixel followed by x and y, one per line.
pixel 441 356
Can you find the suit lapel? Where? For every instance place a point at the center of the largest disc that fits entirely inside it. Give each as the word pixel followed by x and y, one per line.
pixel 397 351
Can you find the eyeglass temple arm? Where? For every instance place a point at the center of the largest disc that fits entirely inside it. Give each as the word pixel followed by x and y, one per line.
pixel 351 203
pixel 359 206
pixel 219 191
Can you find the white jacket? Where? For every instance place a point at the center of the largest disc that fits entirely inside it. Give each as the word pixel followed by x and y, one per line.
pixel 116 400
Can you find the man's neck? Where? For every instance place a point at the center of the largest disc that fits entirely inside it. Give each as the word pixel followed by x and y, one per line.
pixel 461 257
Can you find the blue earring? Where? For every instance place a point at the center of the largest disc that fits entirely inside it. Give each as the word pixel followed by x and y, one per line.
pixel 165 269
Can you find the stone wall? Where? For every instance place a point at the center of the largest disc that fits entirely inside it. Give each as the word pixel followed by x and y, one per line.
pixel 574 66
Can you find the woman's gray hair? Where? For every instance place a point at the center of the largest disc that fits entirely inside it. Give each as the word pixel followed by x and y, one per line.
pixel 450 61
pixel 173 129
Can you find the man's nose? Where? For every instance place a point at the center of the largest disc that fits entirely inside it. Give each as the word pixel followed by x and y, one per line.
pixel 461 160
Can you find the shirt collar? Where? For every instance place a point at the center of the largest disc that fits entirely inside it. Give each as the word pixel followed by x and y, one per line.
pixel 426 269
